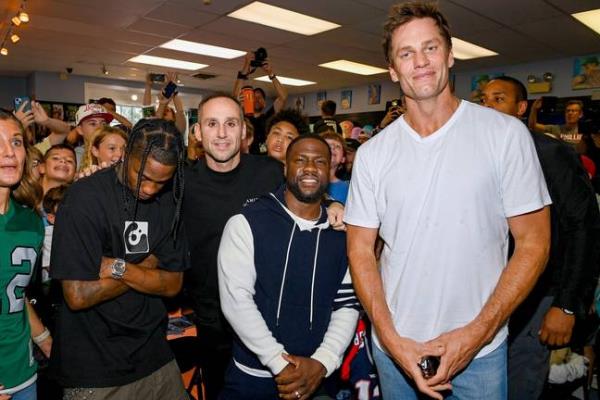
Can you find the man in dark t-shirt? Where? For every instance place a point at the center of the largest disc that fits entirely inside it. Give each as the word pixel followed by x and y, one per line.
pixel 216 188
pixel 118 246
pixel 327 121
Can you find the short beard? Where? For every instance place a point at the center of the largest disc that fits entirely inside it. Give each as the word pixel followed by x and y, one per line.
pixel 307 198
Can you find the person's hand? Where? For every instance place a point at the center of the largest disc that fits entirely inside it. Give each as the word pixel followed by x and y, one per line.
pixel 106 267
pixel 557 327
pixel 335 216
pixel 392 114
pixel 407 353
pixel 266 66
pixel 46 346
pixel 460 346
pixel 40 115
pixel 536 105
pixel 92 169
pixel 26 117
pixel 247 58
pixel 4 396
pixel 300 378
pixel 171 76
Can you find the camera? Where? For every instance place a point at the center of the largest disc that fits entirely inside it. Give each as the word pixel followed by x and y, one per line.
pixel 260 56
pixel 429 366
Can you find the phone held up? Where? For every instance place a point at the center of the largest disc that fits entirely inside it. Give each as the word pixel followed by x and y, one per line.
pixel 169 90
pixel 20 100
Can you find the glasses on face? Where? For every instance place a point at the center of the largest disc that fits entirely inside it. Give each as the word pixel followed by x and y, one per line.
pixel 35 163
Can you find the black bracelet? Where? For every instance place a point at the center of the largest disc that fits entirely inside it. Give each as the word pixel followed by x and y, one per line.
pixel 242 76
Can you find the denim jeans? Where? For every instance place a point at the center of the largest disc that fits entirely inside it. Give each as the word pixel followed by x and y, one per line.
pixel 484 378
pixel 29 393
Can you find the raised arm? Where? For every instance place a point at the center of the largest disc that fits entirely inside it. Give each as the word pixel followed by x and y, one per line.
pixel 122 120
pixel 242 75
pixel 533 117
pixel 58 127
pixel 180 118
pixel 148 91
pixel 282 93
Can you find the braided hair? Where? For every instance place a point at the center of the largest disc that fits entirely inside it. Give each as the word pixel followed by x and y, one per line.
pixel 161 140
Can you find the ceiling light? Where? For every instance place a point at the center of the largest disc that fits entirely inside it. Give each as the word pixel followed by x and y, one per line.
pixel 167 62
pixel 463 50
pixel 4 51
pixel 590 18
pixel 286 81
pixel 16 21
pixel 353 67
pixel 280 18
pixel 202 49
pixel 134 97
pixel 24 17
pixel 15 38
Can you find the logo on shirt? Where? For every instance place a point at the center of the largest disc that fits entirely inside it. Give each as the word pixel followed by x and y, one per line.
pixel 135 236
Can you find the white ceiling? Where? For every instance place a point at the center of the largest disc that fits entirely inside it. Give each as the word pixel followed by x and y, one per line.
pixel 84 35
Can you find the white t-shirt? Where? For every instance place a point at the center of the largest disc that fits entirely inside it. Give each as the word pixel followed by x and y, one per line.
pixel 441 205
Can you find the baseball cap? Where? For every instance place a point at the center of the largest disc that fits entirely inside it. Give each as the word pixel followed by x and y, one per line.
pixel 92 110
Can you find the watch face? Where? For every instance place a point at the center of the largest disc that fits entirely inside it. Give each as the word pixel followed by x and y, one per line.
pixel 118 268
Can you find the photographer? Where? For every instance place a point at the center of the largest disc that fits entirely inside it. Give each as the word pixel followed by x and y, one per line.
pixel 260 117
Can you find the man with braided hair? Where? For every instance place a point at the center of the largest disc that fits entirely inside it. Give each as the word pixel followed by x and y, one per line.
pixel 118 247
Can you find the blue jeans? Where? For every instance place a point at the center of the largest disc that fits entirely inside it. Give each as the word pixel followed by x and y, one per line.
pixel 29 393
pixel 484 378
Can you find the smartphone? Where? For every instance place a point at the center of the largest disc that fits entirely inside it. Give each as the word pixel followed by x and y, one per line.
pixel 395 103
pixel 158 78
pixel 169 90
pixel 20 100
pixel 148 112
pixel 429 366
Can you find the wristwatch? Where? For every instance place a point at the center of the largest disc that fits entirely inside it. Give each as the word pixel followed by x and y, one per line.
pixel 567 311
pixel 118 268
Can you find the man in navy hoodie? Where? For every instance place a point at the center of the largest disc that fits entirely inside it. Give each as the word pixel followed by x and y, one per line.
pixel 284 285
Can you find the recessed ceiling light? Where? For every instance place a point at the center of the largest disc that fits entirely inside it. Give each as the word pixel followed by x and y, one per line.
pixel 590 18
pixel 203 49
pixel 463 50
pixel 280 18
pixel 134 97
pixel 167 62
pixel 353 67
pixel 286 81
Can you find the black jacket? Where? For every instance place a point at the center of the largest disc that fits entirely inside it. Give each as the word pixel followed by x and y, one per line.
pixel 572 270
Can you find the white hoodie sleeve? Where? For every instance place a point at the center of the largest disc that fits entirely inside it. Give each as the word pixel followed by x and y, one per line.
pixel 237 276
pixel 341 329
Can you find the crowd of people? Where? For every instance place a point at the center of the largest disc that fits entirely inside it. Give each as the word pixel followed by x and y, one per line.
pixel 463 240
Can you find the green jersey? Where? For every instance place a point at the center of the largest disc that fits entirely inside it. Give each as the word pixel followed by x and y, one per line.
pixel 21 236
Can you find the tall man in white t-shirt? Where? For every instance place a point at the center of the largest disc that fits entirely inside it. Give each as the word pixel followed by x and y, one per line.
pixel 442 186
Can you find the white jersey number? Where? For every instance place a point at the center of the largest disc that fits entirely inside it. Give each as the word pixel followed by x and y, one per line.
pixel 19 256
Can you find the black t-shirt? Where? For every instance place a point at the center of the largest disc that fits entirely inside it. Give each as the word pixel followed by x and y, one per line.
pixel 260 129
pixel 123 339
pixel 326 124
pixel 210 199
